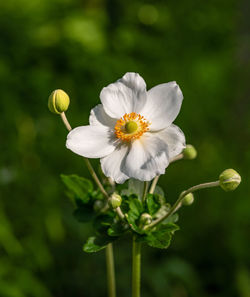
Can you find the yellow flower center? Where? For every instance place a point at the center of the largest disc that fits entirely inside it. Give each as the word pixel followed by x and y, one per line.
pixel 131 126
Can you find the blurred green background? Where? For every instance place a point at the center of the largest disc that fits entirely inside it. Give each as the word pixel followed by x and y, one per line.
pixel 81 46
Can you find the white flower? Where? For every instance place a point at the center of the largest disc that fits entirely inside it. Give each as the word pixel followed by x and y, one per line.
pixel 132 130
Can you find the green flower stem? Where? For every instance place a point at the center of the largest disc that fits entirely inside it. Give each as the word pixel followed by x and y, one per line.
pixel 89 166
pixel 95 177
pixel 155 181
pixel 153 185
pixel 65 121
pixel 145 190
pixel 177 158
pixel 120 213
pixel 110 271
pixel 178 201
pixel 109 248
pixel 136 268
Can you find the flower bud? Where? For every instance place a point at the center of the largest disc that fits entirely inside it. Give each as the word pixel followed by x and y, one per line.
pixel 229 180
pixel 115 200
pixel 189 152
pixel 58 101
pixel 98 205
pixel 188 199
pixel 145 219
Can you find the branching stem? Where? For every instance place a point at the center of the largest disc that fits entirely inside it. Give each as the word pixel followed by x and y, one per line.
pixel 178 201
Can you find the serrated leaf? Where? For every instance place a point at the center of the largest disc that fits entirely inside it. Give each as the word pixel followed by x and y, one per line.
pixel 159 191
pixel 161 237
pixel 103 222
pixel 152 205
pixel 97 243
pixel 117 229
pixel 134 213
pixel 79 186
pixel 135 205
pixel 172 219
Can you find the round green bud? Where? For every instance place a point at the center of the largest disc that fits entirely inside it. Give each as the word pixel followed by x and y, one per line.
pixel 115 200
pixel 58 101
pixel 145 219
pixel 229 180
pixel 188 199
pixel 189 152
pixel 98 205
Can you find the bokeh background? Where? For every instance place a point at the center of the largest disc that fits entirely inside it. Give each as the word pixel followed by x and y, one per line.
pixel 81 46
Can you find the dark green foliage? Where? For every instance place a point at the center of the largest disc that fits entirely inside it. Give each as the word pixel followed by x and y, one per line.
pixel 79 186
pixel 161 237
pixel 97 243
pixel 82 46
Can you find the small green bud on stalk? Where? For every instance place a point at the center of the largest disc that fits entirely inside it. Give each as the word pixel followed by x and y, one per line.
pixel 188 199
pixel 229 180
pixel 145 219
pixel 58 101
pixel 189 152
pixel 115 200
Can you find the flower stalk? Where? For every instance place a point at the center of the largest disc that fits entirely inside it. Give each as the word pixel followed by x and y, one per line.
pixel 110 271
pixel 145 190
pixel 136 268
pixel 88 164
pixel 109 248
pixel 179 200
pixel 153 185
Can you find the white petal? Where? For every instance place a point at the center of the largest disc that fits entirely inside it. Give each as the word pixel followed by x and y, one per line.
pixel 174 138
pixel 163 105
pixel 91 141
pixel 124 96
pixel 111 164
pixel 147 158
pixel 99 117
pixel 137 84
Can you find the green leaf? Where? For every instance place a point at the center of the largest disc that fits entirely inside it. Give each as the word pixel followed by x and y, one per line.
pixel 97 243
pixel 172 219
pixel 117 229
pixel 159 191
pixel 154 203
pixel 79 186
pixel 103 222
pixel 134 213
pixel 135 205
pixel 161 237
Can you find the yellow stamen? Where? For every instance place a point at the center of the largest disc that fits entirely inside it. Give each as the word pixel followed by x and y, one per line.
pixel 131 126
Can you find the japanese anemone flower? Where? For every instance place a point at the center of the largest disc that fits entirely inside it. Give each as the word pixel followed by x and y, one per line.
pixel 132 130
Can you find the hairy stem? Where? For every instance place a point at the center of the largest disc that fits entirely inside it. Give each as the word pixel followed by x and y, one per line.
pixel 153 185
pixel 145 191
pixel 136 268
pixel 89 166
pixel 178 201
pixel 110 271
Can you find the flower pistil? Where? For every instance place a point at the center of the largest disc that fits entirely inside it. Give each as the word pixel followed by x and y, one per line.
pixel 131 126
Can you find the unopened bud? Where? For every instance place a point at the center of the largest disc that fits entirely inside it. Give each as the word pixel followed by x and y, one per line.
pixel 188 199
pixel 229 180
pixel 145 219
pixel 58 101
pixel 189 152
pixel 115 200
